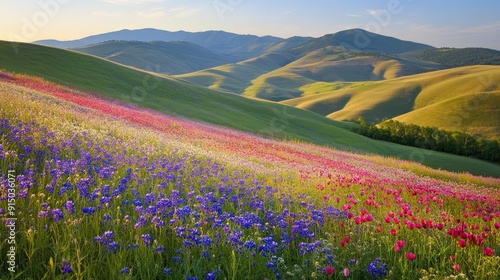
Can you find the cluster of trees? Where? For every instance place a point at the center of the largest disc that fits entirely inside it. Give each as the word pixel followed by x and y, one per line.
pixel 461 57
pixel 432 138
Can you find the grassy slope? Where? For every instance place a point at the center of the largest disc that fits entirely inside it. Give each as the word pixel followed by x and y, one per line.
pixel 331 64
pixel 236 77
pixel 178 98
pixel 164 57
pixel 280 76
pixel 465 98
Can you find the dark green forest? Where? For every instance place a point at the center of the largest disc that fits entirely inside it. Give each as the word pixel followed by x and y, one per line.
pixel 454 57
pixel 432 138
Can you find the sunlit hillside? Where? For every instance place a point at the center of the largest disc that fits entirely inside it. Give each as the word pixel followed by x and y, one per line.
pixel 464 99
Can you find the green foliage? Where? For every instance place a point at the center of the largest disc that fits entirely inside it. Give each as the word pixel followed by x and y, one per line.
pixel 453 57
pixel 432 138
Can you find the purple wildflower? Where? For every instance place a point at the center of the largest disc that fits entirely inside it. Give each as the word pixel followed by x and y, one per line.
pixel 69 206
pixel 147 239
pixel 66 267
pixel 57 214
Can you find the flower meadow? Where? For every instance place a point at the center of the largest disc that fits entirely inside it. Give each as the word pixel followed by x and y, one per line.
pixel 107 190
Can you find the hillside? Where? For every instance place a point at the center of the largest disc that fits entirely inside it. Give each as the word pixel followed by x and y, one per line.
pixel 332 64
pixel 178 98
pixel 281 76
pixel 456 57
pixel 236 77
pixel 465 99
pixel 331 58
pixel 175 57
pixel 108 190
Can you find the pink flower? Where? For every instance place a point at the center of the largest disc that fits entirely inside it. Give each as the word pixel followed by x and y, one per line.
pixel 410 256
pixel 462 243
pixel 488 251
pixel 456 267
pixel 346 272
pixel 401 243
pixel 329 270
pixel 397 248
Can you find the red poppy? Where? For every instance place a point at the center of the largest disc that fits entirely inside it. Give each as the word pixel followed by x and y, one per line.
pixel 488 251
pixel 410 256
pixel 462 243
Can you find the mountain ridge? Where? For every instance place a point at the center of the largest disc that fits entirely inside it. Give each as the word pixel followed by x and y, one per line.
pixel 360 40
pixel 242 46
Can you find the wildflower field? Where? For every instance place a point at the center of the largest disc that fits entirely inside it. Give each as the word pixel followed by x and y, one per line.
pixel 100 189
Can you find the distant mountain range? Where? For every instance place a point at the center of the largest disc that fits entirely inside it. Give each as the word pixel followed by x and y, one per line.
pixel 236 45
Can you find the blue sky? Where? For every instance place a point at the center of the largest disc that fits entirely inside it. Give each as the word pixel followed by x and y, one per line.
pixel 460 23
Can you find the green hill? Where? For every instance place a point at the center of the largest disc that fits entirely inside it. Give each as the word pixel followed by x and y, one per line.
pixel 280 76
pixel 453 57
pixel 332 64
pixel 464 99
pixel 166 57
pixel 236 77
pixel 360 40
pixel 175 97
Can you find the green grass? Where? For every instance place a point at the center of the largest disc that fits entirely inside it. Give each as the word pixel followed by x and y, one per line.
pixel 475 114
pixel 182 99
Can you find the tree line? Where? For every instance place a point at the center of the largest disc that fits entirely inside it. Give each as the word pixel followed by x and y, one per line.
pixel 432 138
pixel 461 57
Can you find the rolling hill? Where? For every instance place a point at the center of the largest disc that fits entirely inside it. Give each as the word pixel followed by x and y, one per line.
pixel 464 99
pixel 236 77
pixel 175 57
pixel 332 64
pixel 163 94
pixel 331 58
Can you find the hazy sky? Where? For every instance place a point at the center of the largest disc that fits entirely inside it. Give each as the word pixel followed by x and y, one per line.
pixel 458 23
